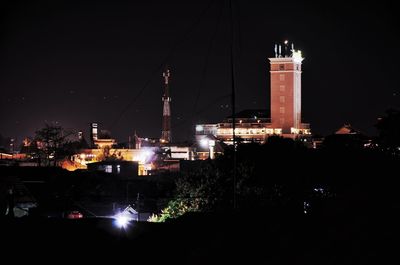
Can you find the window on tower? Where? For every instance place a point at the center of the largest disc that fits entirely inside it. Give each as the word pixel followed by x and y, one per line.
pixel 282 99
pixel 281 77
pixel 282 88
pixel 281 67
pixel 282 110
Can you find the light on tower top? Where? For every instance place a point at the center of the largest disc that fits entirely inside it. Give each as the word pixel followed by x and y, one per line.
pixel 297 56
pixel 166 76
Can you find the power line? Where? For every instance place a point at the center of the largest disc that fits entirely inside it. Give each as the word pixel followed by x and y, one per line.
pixel 206 62
pixel 233 102
pixel 202 110
pixel 160 66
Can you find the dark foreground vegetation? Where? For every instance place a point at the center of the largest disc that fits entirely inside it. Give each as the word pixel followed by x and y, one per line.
pixel 269 238
pixel 292 205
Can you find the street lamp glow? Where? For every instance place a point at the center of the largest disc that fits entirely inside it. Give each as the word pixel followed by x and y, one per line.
pixel 199 128
pixel 121 221
pixel 204 142
pixel 145 156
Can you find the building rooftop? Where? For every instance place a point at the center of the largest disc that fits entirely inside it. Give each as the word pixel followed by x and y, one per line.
pixel 252 113
pixel 347 129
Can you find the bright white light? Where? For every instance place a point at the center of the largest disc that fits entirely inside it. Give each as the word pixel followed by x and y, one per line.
pixel 204 142
pixel 145 156
pixel 199 128
pixel 211 143
pixel 297 56
pixel 121 221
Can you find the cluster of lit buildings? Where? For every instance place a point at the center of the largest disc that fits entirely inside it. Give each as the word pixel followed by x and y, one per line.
pixel 252 125
pixel 284 118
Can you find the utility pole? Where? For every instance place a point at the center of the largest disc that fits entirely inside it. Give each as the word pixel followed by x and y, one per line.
pixel 233 102
pixel 138 206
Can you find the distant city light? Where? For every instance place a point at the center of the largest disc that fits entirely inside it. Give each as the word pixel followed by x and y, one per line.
pixel 199 128
pixel 306 206
pixel 121 221
pixel 146 156
pixel 204 142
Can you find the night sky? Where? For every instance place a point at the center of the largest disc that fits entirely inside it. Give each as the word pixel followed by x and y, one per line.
pixel 78 62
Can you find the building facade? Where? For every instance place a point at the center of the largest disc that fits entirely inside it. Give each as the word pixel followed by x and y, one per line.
pixel 286 93
pixel 284 118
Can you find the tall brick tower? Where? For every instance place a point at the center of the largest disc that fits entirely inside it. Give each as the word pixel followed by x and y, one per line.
pixel 166 122
pixel 286 89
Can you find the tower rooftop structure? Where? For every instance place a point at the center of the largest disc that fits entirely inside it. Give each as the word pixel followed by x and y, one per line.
pixel 286 89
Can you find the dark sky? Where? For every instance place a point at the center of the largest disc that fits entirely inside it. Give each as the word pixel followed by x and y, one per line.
pixel 77 62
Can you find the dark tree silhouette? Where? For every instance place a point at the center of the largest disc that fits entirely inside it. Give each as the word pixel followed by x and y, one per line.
pixel 51 141
pixel 389 131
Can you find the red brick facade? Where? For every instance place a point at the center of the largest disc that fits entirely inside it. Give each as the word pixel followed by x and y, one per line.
pixel 286 93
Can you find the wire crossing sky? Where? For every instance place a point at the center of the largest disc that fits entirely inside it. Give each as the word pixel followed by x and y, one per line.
pixel 77 62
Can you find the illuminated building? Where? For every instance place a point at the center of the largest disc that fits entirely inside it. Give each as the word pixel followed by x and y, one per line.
pixel 251 126
pixel 286 91
pixel 207 147
pixel 144 157
pixel 100 140
pixel 93 131
pixel 284 118
pixel 124 168
pixel 149 155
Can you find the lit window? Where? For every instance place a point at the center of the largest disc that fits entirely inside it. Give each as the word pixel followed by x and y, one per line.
pixel 281 77
pixel 281 110
pixel 282 99
pixel 108 169
pixel 118 169
pixel 282 88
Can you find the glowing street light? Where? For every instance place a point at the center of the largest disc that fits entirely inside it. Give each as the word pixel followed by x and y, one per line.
pixel 210 144
pixel 199 128
pixel 121 221
pixel 204 142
